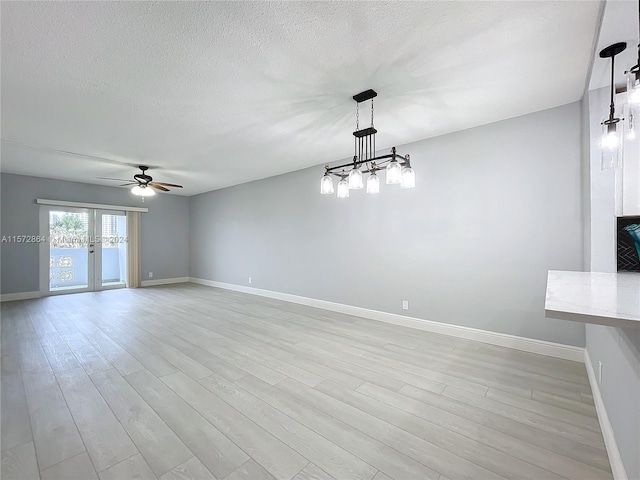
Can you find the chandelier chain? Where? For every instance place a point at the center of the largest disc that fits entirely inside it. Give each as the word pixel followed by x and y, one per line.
pixel 372 112
pixel 356 153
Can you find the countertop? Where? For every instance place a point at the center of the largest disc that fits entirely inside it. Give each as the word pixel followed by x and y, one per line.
pixel 591 297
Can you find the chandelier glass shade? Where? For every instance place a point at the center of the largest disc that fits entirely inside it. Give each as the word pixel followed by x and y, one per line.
pixel 343 188
pixel 355 179
pixel 394 173
pixel 373 184
pixel 397 168
pixel 143 191
pixel 408 179
pixel 326 185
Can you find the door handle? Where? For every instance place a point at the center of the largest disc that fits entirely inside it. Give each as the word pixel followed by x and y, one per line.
pixel 91 250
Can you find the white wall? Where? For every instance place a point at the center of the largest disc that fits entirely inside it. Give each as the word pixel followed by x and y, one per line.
pixel 495 207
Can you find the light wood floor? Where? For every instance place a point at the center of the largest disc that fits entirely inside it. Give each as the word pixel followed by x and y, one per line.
pixel 187 381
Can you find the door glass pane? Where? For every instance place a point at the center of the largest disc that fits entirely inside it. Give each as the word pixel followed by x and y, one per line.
pixel 114 249
pixel 69 251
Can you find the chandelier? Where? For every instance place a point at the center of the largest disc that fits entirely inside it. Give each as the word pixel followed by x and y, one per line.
pixel 397 168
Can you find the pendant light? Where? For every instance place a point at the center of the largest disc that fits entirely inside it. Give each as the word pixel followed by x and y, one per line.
pixel 633 93
pixel 612 131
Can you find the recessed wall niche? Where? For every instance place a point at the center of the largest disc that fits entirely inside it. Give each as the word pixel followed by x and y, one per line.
pixel 628 250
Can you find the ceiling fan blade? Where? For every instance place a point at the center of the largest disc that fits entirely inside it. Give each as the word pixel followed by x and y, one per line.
pixel 117 179
pixel 166 184
pixel 158 187
pixel 127 184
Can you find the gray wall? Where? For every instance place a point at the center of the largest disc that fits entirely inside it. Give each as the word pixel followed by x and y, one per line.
pixel 619 351
pixel 495 207
pixel 616 348
pixel 164 235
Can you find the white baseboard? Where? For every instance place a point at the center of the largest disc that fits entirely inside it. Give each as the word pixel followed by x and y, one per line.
pixel 9 297
pixel 567 352
pixel 163 281
pixel 617 467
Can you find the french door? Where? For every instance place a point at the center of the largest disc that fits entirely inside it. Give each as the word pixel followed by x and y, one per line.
pixel 86 249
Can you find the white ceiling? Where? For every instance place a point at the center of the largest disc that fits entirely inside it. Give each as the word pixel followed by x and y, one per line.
pixel 214 94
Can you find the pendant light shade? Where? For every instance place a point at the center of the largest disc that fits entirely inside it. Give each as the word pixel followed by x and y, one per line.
pixel 394 173
pixel 326 185
pixel 355 179
pixel 373 184
pixel 143 191
pixel 343 188
pixel 612 141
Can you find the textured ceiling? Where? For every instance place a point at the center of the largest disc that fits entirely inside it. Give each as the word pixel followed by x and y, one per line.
pixel 219 93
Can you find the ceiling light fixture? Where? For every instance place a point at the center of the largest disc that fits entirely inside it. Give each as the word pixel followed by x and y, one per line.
pixel 143 191
pixel 633 93
pixel 612 131
pixel 398 168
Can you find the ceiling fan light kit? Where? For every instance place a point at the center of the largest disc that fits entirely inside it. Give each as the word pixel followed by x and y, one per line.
pixel 143 191
pixel 397 168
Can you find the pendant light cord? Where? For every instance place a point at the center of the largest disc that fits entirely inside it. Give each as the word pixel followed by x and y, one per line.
pixel 612 107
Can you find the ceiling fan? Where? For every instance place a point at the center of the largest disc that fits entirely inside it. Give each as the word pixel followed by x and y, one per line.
pixel 144 184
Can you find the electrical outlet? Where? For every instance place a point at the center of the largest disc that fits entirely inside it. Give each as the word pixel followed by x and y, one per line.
pixel 405 304
pixel 249 280
pixel 150 274
pixel 599 371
